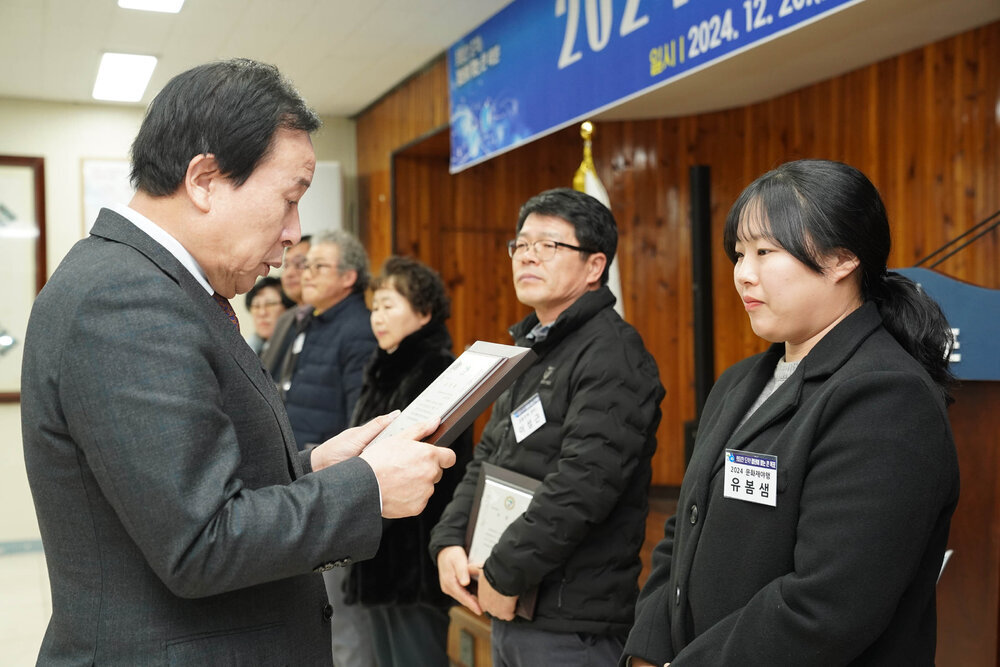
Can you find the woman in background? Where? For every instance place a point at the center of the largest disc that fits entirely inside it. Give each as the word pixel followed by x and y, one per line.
pixel 825 550
pixel 399 586
pixel 266 303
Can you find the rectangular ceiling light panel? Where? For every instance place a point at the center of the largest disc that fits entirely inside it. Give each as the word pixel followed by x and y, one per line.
pixel 170 6
pixel 123 77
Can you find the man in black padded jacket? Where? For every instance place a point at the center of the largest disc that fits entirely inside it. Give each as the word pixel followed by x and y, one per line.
pixel 582 420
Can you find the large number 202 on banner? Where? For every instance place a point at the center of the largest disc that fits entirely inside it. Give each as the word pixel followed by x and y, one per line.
pixel 539 65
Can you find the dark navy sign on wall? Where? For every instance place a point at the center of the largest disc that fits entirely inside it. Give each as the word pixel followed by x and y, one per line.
pixel 539 65
pixel 974 315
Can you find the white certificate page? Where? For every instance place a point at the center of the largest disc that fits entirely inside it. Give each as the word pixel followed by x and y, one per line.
pixel 446 391
pixel 500 506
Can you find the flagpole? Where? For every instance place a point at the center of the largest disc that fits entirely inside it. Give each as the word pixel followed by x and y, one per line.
pixel 580 177
pixel 586 180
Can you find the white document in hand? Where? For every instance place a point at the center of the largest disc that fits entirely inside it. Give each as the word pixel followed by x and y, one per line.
pixel 444 394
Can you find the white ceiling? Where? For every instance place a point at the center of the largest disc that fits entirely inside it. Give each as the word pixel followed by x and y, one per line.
pixel 345 54
pixel 341 54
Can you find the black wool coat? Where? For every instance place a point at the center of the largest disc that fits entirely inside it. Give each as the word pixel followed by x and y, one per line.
pixel 843 570
pixel 402 571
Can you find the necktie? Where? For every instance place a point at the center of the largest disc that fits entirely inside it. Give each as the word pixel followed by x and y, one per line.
pixel 227 309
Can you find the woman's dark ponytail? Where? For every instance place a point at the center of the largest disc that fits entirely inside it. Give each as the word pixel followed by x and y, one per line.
pixel 916 322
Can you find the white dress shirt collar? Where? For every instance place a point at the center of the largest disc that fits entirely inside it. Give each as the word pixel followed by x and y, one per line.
pixel 169 243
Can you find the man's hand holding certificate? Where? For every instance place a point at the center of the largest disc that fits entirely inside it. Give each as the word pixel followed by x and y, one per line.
pixel 493 602
pixel 464 390
pixel 455 577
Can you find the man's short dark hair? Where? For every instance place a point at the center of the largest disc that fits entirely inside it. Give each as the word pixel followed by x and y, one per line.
pixel 592 221
pixel 230 109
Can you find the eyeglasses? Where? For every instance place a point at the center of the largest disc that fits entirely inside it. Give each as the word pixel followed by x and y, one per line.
pixel 295 263
pixel 263 305
pixel 544 250
pixel 318 267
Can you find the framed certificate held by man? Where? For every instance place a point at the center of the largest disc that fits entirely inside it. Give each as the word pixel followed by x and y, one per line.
pixel 501 497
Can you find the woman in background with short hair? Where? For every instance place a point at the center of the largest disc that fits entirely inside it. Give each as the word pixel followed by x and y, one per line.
pixel 266 302
pixel 399 586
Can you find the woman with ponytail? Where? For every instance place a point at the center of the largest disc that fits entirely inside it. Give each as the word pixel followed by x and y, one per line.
pixel 814 514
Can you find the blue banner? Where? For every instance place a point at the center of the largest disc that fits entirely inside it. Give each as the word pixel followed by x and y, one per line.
pixel 539 65
pixel 974 315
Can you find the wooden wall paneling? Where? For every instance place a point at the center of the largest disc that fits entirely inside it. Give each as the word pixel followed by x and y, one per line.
pixel 862 146
pixel 969 588
pixel 422 197
pixel 651 209
pixel 486 205
pixel 922 125
pixel 904 197
pixel 721 137
pixel 415 108
pixel 894 178
pixel 977 146
pixel 968 173
pixel 935 151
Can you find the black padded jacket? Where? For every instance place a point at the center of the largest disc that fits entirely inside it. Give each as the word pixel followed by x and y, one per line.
pixel 580 537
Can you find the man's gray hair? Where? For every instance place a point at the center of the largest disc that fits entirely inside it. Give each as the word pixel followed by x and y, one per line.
pixel 352 254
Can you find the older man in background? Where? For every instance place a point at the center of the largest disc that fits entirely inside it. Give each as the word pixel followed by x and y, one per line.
pixel 320 380
pixel 322 372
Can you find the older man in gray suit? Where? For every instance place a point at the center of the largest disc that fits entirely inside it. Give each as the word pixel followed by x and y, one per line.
pixel 181 524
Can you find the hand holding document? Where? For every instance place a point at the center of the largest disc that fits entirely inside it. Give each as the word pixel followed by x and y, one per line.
pixel 407 469
pixel 464 390
pixel 351 442
pixel 501 497
pixel 455 579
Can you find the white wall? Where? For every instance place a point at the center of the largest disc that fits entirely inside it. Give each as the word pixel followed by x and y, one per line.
pixel 66 134
pixel 337 141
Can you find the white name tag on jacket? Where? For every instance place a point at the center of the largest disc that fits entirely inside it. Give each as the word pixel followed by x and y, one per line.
pixel 527 417
pixel 751 477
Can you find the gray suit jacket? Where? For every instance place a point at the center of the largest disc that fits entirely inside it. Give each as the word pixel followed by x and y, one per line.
pixel 178 524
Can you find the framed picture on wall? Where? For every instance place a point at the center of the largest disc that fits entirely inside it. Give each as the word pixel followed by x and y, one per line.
pixel 22 231
pixel 105 182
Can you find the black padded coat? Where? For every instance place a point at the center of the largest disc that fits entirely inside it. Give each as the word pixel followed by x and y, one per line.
pixel 580 537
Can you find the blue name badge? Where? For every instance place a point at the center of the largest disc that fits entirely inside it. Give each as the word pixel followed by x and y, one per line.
pixel 752 478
